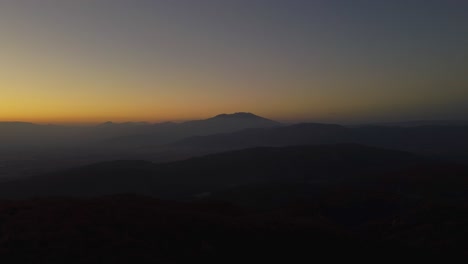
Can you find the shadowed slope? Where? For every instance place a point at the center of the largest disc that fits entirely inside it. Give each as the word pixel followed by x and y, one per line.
pixel 327 164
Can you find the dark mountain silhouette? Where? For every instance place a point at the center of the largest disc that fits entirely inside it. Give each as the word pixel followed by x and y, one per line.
pixel 138 229
pixel 262 204
pixel 229 122
pixel 423 123
pixel 326 165
pixel 164 133
pixel 28 149
pixel 231 131
pixel 111 134
pixel 307 133
pixel 442 141
pixel 241 115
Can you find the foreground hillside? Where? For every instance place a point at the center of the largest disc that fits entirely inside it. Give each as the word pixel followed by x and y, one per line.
pixel 137 229
pixel 255 205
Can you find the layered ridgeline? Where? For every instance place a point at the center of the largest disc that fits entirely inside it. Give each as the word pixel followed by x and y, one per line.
pixel 163 133
pixel 22 135
pixel 28 149
pixel 233 131
pixel 310 168
pixel 441 140
pixel 267 203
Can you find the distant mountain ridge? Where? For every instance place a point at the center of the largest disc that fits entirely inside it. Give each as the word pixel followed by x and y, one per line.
pixel 239 115
pixel 112 134
pixel 448 141
pixel 164 133
pixel 348 164
pixel 171 141
pixel 417 123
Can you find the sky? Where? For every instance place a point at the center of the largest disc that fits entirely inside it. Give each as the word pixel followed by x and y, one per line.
pixel 86 61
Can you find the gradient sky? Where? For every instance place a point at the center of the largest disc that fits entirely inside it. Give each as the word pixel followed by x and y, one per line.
pixel 132 60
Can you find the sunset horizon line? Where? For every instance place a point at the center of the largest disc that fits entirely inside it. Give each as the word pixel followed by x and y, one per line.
pixel 286 121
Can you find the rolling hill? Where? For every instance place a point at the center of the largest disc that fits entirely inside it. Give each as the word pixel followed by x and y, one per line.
pixel 315 166
pixel 443 141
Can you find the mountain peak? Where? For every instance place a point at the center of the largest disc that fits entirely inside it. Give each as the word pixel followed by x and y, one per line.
pixel 238 115
pixel 106 124
pixel 126 124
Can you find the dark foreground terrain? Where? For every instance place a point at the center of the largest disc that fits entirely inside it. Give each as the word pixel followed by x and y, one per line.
pixel 257 205
pixel 138 229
